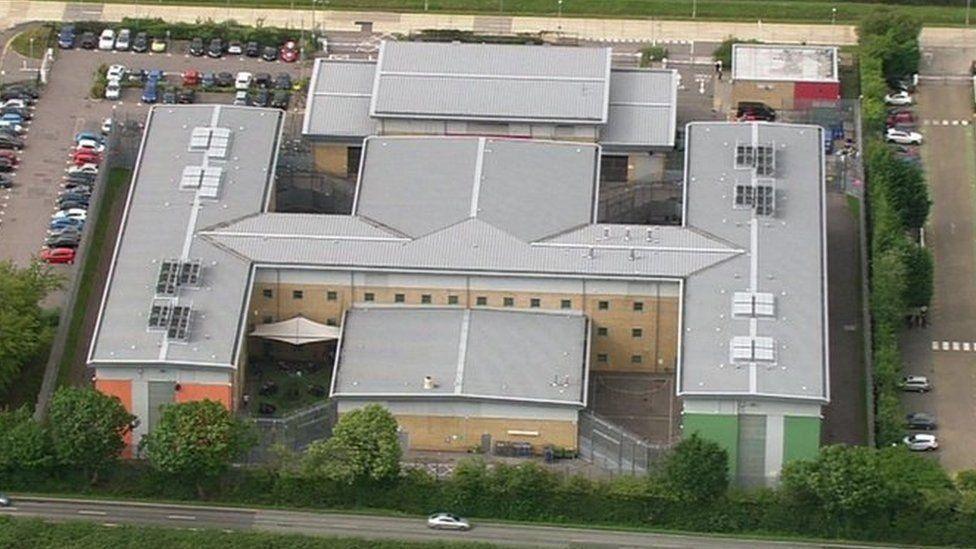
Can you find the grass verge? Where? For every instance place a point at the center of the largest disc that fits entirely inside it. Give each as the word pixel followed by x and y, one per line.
pixel 43 38
pixel 116 183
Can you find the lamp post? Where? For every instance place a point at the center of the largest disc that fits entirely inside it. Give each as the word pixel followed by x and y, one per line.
pixel 969 4
pixel 833 16
pixel 694 9
pixel 560 2
pixel 31 41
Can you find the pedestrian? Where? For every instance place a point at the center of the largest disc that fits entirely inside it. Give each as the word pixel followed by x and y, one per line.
pixel 246 399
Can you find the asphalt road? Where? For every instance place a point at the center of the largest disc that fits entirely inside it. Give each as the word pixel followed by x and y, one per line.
pixel 114 513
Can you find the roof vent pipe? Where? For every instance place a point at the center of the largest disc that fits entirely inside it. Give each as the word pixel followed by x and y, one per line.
pixel 429 383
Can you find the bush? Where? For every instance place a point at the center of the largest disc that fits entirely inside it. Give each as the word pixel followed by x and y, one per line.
pixel 651 54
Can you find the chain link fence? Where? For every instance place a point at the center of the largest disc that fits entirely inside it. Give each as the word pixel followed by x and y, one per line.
pixel 615 450
pixel 294 432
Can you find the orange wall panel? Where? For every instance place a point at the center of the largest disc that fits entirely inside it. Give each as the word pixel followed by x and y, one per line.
pixel 190 392
pixel 122 389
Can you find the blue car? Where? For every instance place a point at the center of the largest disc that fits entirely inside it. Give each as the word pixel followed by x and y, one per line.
pixel 66 38
pixel 155 75
pixel 150 94
pixel 13 117
pixel 63 222
pixel 89 135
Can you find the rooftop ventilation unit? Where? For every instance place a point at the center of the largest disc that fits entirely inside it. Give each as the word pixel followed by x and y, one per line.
pixel 752 349
pixel 159 314
pixel 179 324
pixel 176 273
pixel 761 157
pixel 753 304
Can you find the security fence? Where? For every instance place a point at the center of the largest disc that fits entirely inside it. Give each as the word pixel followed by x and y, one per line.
pixel 294 432
pixel 614 449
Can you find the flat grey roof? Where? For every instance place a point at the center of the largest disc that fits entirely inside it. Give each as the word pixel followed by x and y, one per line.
pixel 338 99
pixel 643 108
pixel 388 351
pixel 782 274
pixel 529 189
pixel 161 223
pixel 784 63
pixel 492 82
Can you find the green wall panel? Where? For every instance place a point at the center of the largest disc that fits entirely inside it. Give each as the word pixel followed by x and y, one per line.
pixel 801 438
pixel 721 428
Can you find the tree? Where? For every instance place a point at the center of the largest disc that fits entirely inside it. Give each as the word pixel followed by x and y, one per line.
pixel 918 267
pixel 24 444
pixel 196 441
pixel 697 469
pixel 891 36
pixel 364 446
pixel 87 429
pixel 723 52
pixel 23 327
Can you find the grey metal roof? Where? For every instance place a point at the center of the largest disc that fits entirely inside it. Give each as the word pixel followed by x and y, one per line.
pixel 643 108
pixel 512 355
pixel 338 99
pixel 784 259
pixel 530 189
pixel 491 82
pixel 778 62
pixel 161 222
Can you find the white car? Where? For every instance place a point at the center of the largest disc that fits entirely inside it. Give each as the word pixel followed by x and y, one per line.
pixel 90 145
pixel 123 42
pixel 113 90
pixel 899 98
pixel 243 80
pixel 241 97
pixel 921 442
pixel 106 41
pixel 107 126
pixel 447 521
pixel 235 48
pixel 919 384
pixel 73 213
pixel 15 103
pixel 84 168
pixel 903 137
pixel 116 72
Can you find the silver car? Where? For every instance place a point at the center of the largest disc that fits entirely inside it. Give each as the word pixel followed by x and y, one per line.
pixel 447 521
pixel 919 384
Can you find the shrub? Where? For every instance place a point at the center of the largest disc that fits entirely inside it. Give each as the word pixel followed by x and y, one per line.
pixel 651 54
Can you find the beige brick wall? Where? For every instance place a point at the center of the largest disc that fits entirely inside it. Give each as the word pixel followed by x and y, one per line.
pixel 778 95
pixel 331 158
pixel 443 433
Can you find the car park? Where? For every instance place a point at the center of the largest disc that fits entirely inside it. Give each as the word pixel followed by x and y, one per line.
pixel 58 255
pixel 225 79
pixel 269 53
pixel 216 48
pixel 208 80
pixel 158 45
pixel 186 96
pixel 280 99
pixel 235 48
pixel 899 98
pixel 88 41
pixel 252 49
pixel 282 81
pixel 903 137
pixel 140 44
pixel 447 521
pixel 150 94
pixel 262 80
pixel 196 48
pixel 920 384
pixel 66 37
pixel 243 80
pixel 289 52
pixel 191 77
pixel 921 442
pixel 261 98
pixel 124 41
pixel 921 421
pixel 241 98
pixel 106 41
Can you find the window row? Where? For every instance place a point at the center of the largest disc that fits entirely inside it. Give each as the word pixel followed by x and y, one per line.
pixel 634 332
pixel 330 295
pixel 602 358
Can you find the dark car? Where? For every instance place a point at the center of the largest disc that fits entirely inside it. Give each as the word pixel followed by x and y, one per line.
pixel 88 41
pixel 216 48
pixel 252 49
pixel 196 47
pixel 186 96
pixel 755 111
pixel 66 37
pixel 283 81
pixel 17 94
pixel 169 97
pixel 904 84
pixel 6 182
pixel 280 99
pixel 921 421
pixel 6 165
pixel 8 141
pixel 262 80
pixel 63 241
pixel 73 199
pixel 269 53
pixel 225 79
pixel 261 99
pixel 28 89
pixel 208 80
pixel 141 43
pixel 23 113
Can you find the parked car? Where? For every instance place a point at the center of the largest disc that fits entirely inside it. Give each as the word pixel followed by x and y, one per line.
pixel 63 222
pixel 242 98
pixel 11 142
pixel 155 75
pixel 243 80
pixel 124 41
pixel 16 102
pixel 262 80
pixel 269 53
pixel 106 126
pixel 22 112
pixel 169 97
pixel 289 52
pixel 86 168
pixel 158 45
pixel 73 205
pixel 235 48
pixel 903 137
pixel 74 213
pixel 225 79
pixel 899 98
pixel 150 94
pixel 282 81
pixel 447 521
pixel 13 127
pixel 216 49
pixel 116 72
pixel 751 110
pixel 10 155
pixel 18 93
pixel 921 420
pixel 24 90
pixel 88 41
pixel 6 182
pixel 921 442
pixel 280 99
pixel 4 500
pixel 140 44
pixel 93 144
pixel 186 96
pixel 63 241
pixel 113 90
pixel 58 255
pixel 196 48
pixel 252 49
pixel 901 84
pixel 903 117
pixel 84 158
pixel 191 78
pixel 65 231
pixel 66 37
pixel 106 40
pixel 208 80
pixel 88 135
pixel 918 384
pixel 6 165
pixel 14 117
pixel 261 99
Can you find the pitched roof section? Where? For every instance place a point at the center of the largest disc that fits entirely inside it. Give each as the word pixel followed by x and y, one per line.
pixel 491 82
pixel 339 98
pixel 529 189
pixel 520 356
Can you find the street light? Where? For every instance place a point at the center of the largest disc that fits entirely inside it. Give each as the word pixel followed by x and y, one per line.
pixel 560 8
pixel 694 9
pixel 833 16
pixel 969 4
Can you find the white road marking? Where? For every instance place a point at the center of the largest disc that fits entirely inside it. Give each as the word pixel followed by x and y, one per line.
pixel 181 517
pixel 945 345
pixel 965 345
pixel 935 345
pixel 955 345
pixel 110 524
pixel 95 513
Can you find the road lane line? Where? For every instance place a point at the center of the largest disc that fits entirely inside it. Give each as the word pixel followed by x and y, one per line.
pixel 181 517
pixel 95 513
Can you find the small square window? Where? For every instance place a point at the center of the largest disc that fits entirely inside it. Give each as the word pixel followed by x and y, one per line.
pixel 508 301
pixel 636 359
pixel 638 305
pixel 425 298
pixel 601 331
pixel 566 304
pixel 331 296
pixel 535 303
pixel 637 332
pixel 369 296
pixel 452 300
pixel 297 294
pixel 268 319
pixel 399 298
pixel 602 357
pixel 267 293
pixel 331 322
pixel 603 305
pixel 481 300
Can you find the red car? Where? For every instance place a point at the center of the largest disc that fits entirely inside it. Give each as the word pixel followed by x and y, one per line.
pixel 191 78
pixel 903 117
pixel 289 52
pixel 58 255
pixel 9 155
pixel 80 158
